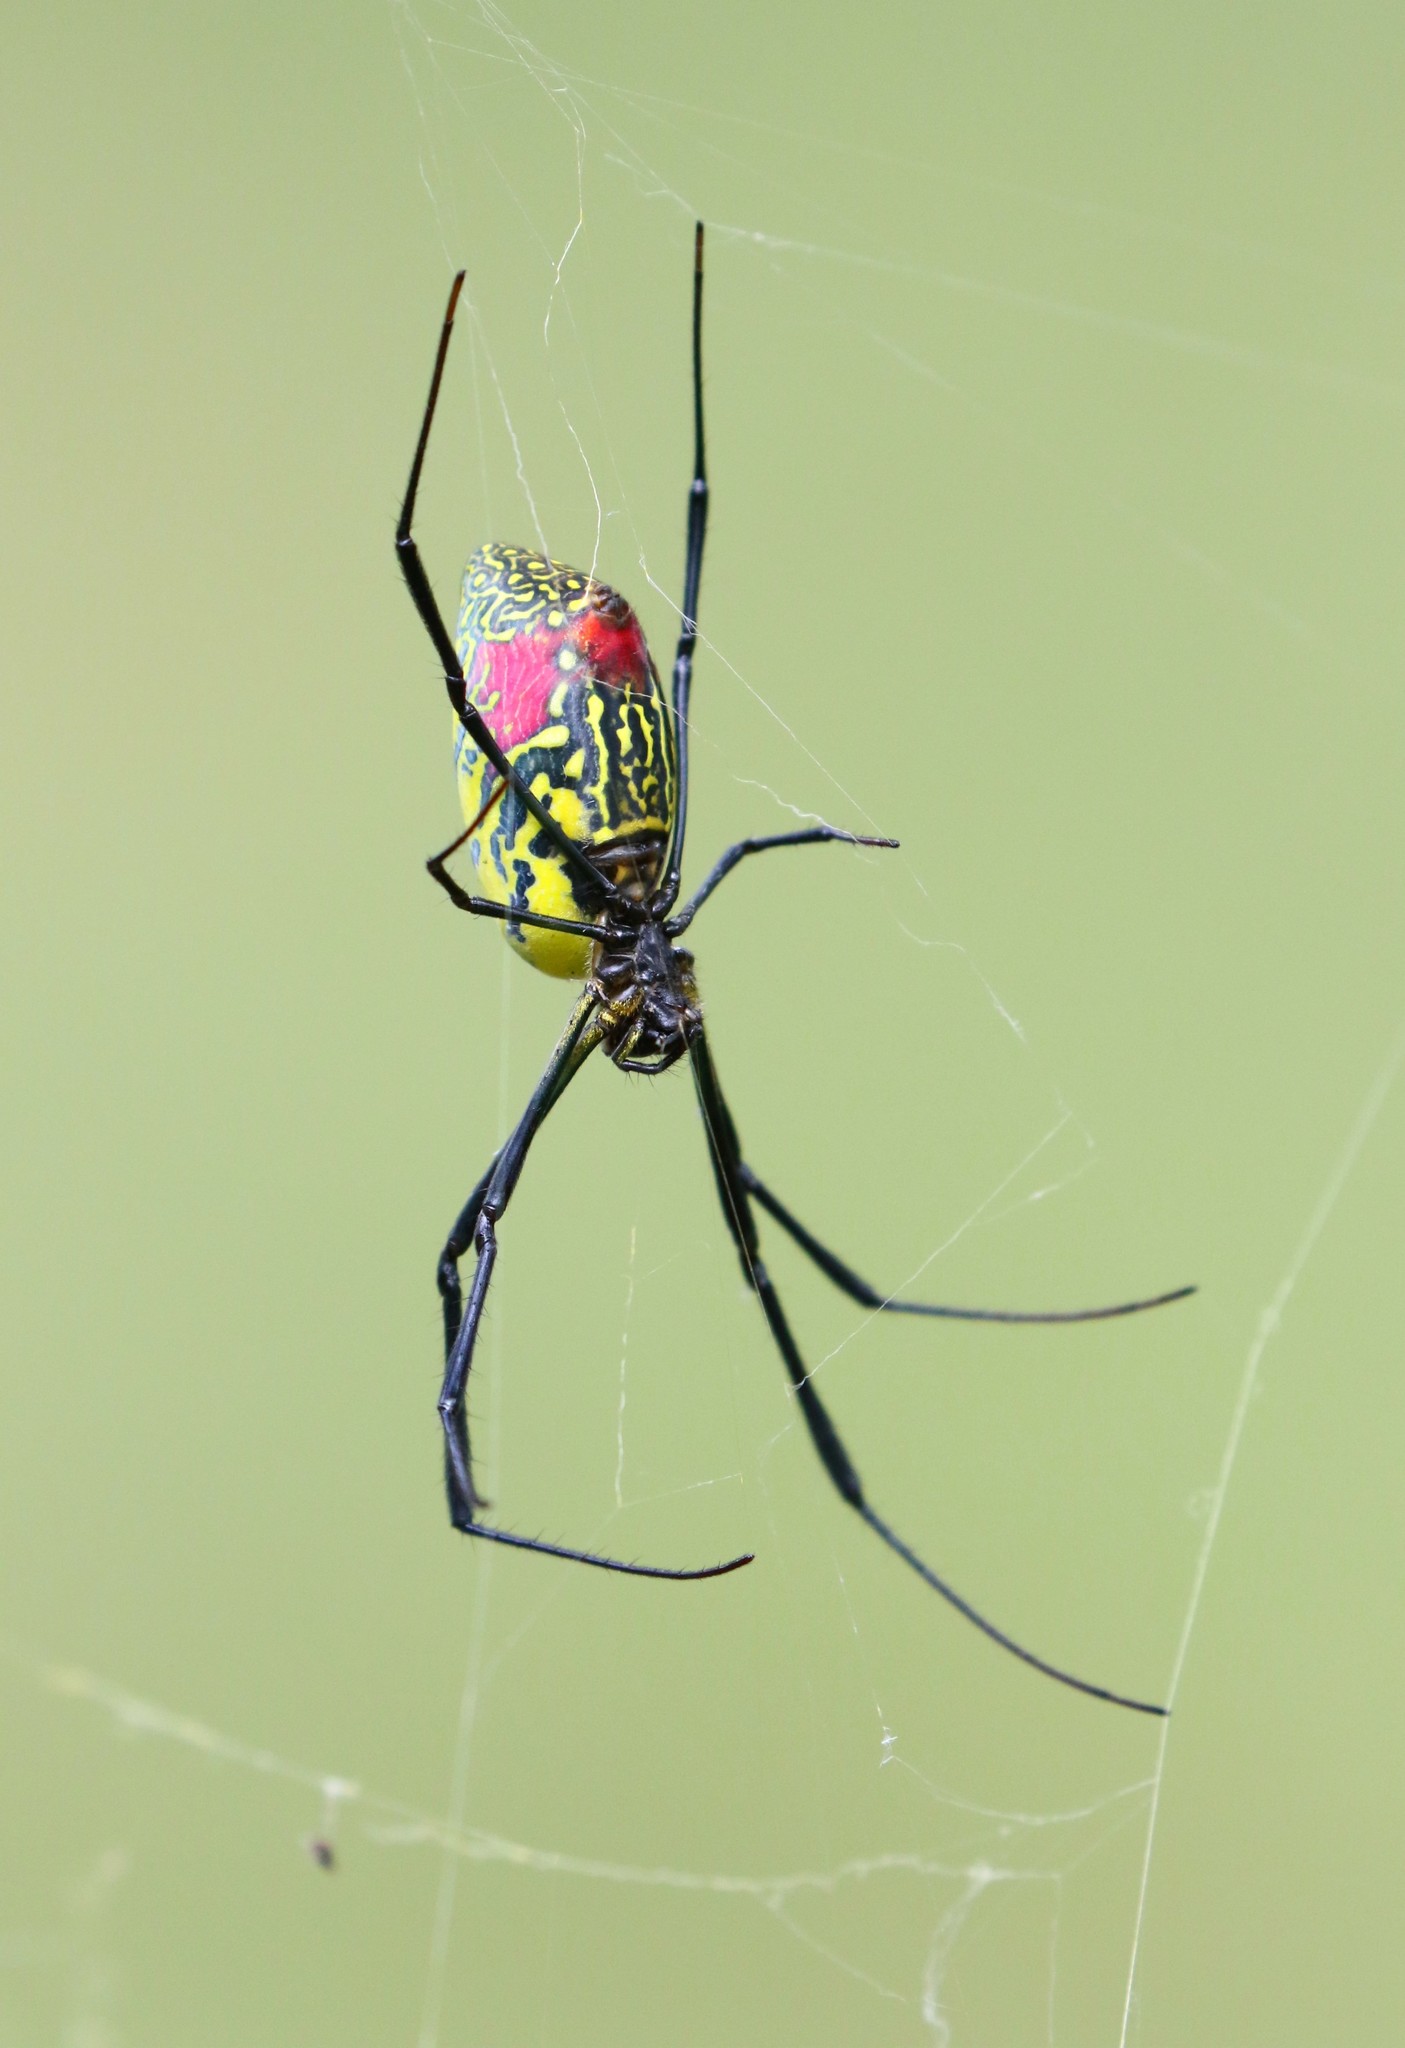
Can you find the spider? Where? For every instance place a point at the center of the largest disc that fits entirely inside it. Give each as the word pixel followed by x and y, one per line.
pixel 573 776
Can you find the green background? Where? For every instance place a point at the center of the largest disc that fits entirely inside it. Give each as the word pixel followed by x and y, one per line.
pixel 1056 414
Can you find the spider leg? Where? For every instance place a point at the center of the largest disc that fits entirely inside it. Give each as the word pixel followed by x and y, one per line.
pixel 732 1187
pixel 814 835
pixel 427 605
pixel 476 1225
pixel 507 913
pixel 860 1290
pixel 667 894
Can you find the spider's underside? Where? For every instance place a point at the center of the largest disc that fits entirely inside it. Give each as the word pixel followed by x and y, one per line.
pixel 573 776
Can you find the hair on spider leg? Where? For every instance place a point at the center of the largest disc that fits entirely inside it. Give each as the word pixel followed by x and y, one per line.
pixel 559 714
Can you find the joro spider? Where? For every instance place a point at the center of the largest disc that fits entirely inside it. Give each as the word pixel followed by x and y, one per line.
pixel 573 776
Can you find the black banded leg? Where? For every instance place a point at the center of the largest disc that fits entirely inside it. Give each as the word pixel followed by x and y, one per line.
pixel 505 913
pixel 812 835
pixel 868 1296
pixel 688 618
pixel 465 1226
pixel 735 1195
pixel 427 605
pixel 458 1463
pixel 477 1223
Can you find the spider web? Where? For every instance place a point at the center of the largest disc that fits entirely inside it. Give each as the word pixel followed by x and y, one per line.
pixel 966 1854
pixel 1039 1852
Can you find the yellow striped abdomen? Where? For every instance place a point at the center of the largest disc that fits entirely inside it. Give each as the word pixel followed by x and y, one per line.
pixel 559 668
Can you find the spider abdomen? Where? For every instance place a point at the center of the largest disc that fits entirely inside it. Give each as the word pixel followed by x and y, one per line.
pixel 558 666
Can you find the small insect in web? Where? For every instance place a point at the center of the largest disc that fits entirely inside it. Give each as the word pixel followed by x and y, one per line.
pixel 573 776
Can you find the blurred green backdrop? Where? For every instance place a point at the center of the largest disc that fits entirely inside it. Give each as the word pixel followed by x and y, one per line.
pixel 1056 413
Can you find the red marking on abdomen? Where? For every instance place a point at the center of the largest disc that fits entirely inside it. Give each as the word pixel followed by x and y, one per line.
pixel 614 653
pixel 523 672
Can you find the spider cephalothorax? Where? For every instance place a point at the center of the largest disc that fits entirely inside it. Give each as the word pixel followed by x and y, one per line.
pixel 573 776
pixel 648 999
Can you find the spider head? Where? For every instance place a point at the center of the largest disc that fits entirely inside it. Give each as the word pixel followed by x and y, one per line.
pixel 649 999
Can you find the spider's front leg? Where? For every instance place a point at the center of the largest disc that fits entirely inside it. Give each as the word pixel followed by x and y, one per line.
pixel 737 1187
pixel 862 1291
pixel 477 1226
pixel 464 1497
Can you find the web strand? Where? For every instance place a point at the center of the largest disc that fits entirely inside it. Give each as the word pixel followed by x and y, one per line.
pixel 1266 1330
